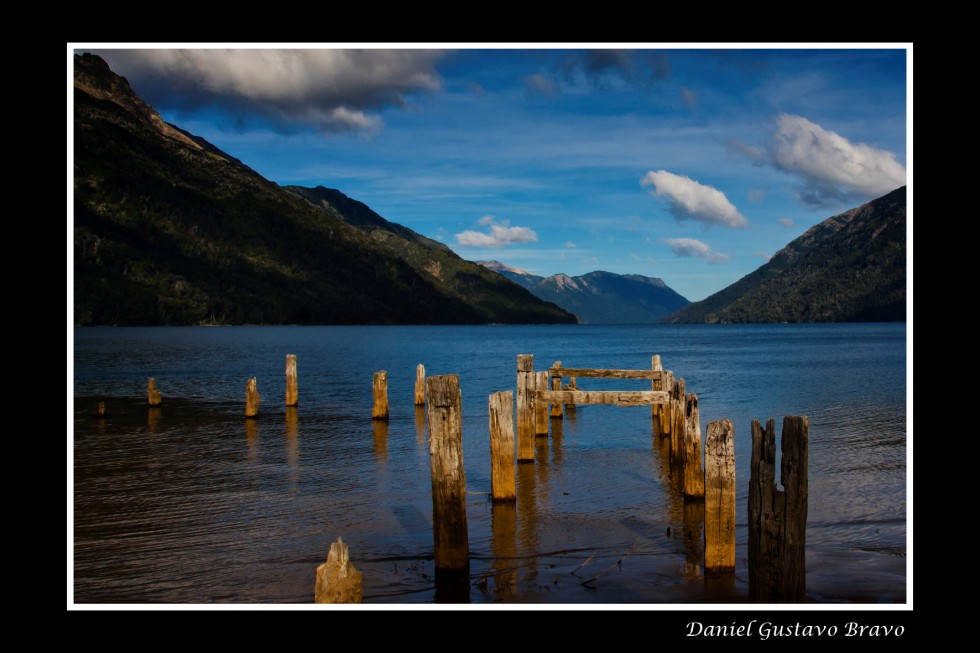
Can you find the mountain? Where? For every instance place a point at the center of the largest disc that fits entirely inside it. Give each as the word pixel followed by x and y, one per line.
pixel 169 229
pixel 848 268
pixel 600 297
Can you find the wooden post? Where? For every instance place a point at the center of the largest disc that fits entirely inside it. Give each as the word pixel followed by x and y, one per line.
pixel 656 384
pixel 541 407
pixel 292 387
pixel 380 390
pixel 665 410
pixel 525 407
pixel 337 580
pixel 420 385
pixel 252 398
pixel 693 474
pixel 777 518
pixel 556 385
pixel 153 397
pixel 719 498
pixel 502 480
pixel 678 426
pixel 100 410
pixel 444 404
pixel 571 385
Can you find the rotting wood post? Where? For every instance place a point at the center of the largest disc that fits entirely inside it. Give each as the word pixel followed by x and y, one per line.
pixel 444 405
pixel 525 407
pixel 777 518
pixel 571 385
pixel 665 410
pixel 502 480
pixel 678 425
pixel 540 406
pixel 656 384
pixel 719 498
pixel 420 385
pixel 693 473
pixel 556 385
pixel 252 398
pixel 379 388
pixel 100 409
pixel 337 579
pixel 292 387
pixel 153 396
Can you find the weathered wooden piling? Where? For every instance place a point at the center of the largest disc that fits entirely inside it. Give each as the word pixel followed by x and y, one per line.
pixel 541 407
pixel 571 385
pixel 556 385
pixel 666 414
pixel 337 579
pixel 656 384
pixel 777 518
pixel 100 409
pixel 678 426
pixel 252 398
pixel 502 480
pixel 379 389
pixel 444 406
pixel 526 383
pixel 420 385
pixel 693 473
pixel 153 396
pixel 292 387
pixel 719 498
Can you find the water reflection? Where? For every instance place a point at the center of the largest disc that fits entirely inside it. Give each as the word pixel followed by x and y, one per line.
pixel 152 418
pixel 527 516
pixel 380 440
pixel 420 425
pixel 693 535
pixel 557 441
pixel 504 547
pixel 292 444
pixel 252 438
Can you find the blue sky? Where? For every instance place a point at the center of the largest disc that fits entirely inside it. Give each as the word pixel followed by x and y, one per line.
pixel 690 164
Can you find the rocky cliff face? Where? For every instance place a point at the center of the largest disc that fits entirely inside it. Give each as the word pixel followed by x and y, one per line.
pixel 168 229
pixel 849 268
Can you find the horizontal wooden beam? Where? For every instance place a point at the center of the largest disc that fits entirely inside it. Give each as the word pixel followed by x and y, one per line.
pixel 619 398
pixel 605 374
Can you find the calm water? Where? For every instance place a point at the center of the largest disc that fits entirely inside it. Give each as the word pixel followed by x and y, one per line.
pixel 191 503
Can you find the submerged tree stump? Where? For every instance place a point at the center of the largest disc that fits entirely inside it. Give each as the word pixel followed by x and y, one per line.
pixel 693 473
pixel 719 498
pixel 153 396
pixel 252 398
pixel 540 406
pixel 526 383
pixel 449 529
pixel 502 482
pixel 420 385
pixel 337 580
pixel 777 518
pixel 379 389
pixel 292 387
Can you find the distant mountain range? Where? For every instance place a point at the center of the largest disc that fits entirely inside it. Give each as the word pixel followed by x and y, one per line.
pixel 600 297
pixel 849 268
pixel 169 229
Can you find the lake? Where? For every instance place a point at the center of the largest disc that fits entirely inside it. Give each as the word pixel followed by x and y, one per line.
pixel 192 503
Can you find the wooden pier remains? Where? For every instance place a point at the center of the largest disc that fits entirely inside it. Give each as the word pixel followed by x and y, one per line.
pixel 502 479
pixel 450 534
pixel 420 385
pixel 777 518
pixel 153 396
pixel 292 388
pixel 719 498
pixel 252 398
pixel 379 388
pixel 526 383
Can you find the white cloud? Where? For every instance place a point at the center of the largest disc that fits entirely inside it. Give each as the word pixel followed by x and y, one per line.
pixel 744 149
pixel 500 234
pixel 569 244
pixel 694 201
pixel 765 256
pixel 328 88
pixel 786 222
pixel 691 247
pixel 538 84
pixel 832 166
